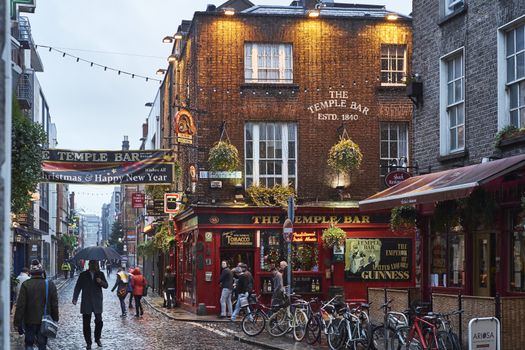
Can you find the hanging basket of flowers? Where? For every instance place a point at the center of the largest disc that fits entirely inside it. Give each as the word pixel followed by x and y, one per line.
pixel 333 236
pixel 345 156
pixel 223 156
pixel 403 218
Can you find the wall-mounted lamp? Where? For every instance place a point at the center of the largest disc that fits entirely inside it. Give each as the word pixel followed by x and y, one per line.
pixel 229 11
pixel 172 58
pixel 314 13
pixel 392 17
pixel 167 39
pixel 148 104
pixel 178 36
pixel 160 71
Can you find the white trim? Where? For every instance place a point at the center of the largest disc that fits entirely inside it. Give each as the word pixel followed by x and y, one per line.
pixel 420 194
pixel 509 25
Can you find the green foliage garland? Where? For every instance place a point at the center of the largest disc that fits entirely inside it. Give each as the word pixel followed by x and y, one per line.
pixel 146 248
pixel 163 239
pixel 333 236
pixel 403 218
pixel 270 196
pixel 345 156
pixel 223 156
pixel 26 159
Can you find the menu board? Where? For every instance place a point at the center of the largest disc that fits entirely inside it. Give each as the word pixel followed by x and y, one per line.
pixel 378 259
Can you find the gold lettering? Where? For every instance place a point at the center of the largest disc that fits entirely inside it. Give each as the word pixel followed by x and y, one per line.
pixel 275 219
pixel 307 220
pixel 334 219
pixel 255 219
pixel 266 219
pixel 298 220
pixel 365 219
pixel 318 219
pixel 325 220
pixel 347 220
pixel 356 220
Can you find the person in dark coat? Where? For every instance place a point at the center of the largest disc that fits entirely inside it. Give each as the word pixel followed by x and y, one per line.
pixel 242 289
pixel 30 306
pixel 226 283
pixel 90 283
pixel 169 284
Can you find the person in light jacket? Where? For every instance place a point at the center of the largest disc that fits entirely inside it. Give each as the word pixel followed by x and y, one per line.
pixel 226 283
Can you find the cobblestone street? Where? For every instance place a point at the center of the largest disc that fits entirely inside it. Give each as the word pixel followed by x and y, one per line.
pixel 153 331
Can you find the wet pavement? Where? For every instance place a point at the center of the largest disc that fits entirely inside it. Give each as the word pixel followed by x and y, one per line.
pixel 153 331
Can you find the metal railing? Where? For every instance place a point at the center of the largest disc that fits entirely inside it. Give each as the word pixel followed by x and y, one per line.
pixel 24 90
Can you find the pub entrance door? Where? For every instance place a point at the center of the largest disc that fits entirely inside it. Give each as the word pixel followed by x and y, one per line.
pixel 484 264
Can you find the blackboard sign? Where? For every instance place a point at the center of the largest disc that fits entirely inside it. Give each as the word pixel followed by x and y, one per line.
pixel 237 238
pixel 378 259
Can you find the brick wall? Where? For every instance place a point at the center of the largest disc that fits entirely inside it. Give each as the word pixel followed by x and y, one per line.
pixel 475 29
pixel 329 54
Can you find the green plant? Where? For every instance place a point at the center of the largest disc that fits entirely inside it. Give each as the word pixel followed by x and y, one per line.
pixel 223 156
pixel 345 156
pixel 270 196
pixel 157 191
pixel 506 133
pixel 146 248
pixel 403 218
pixel 69 241
pixel 333 236
pixel 163 239
pixel 446 215
pixel 28 139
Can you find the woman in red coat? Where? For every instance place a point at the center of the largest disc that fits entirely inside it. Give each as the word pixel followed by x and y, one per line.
pixel 138 282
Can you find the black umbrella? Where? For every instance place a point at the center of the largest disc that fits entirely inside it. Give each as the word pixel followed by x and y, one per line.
pixel 97 253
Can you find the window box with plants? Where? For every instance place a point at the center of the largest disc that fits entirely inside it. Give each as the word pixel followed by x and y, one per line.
pixel 509 135
pixel 403 218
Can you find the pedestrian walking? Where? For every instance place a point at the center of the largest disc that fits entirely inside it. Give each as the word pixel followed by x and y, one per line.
pixel 130 287
pixel 283 267
pixel 21 278
pixel 90 283
pixel 242 290
pixel 108 267
pixel 121 285
pixel 65 269
pixel 278 289
pixel 139 285
pixel 169 284
pixel 72 271
pixel 226 283
pixel 31 306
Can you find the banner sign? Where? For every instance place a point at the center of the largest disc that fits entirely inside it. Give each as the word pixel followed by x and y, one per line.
pixel 220 174
pixel 155 207
pixel 378 259
pixel 238 238
pixel 395 177
pixel 108 167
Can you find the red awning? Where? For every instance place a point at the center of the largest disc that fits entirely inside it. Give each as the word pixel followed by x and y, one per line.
pixel 444 185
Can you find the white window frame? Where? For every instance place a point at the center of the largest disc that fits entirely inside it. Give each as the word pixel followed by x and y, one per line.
pixel 389 60
pixel 398 125
pixel 255 127
pixel 251 63
pixel 503 86
pixel 444 106
pixel 450 4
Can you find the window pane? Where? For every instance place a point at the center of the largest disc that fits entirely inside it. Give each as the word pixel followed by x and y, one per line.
pixel 393 133
pixel 453 143
pixel 510 43
pixel 262 167
pixel 270 131
pixel 514 96
pixel 278 132
pixel 270 182
pixel 384 150
pixel 393 150
pixel 291 150
pixel 291 182
pixel 384 132
pixel 249 149
pixel 438 256
pixel 520 65
pixel 450 89
pixel 522 117
pixel 456 263
pixel 522 94
pixel 458 70
pixel 519 39
pixel 249 167
pixel 514 120
pixel 249 132
pixel 291 132
pixel 510 69
pixel 249 181
pixel 450 71
pixel 270 153
pixel 278 168
pixel 460 115
pixel 270 167
pixel 262 149
pixel 458 93
pixel 452 117
pixel 278 149
pixel 291 167
pixel 461 136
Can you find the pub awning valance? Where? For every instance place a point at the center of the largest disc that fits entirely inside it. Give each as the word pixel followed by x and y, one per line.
pixel 444 185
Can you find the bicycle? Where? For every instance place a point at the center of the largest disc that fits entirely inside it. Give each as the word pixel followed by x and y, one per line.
pixel 352 330
pixel 393 320
pixel 422 335
pixel 254 321
pixel 445 325
pixel 290 317
pixel 320 321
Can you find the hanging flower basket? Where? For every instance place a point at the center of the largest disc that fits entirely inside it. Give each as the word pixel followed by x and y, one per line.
pixel 345 156
pixel 403 218
pixel 333 236
pixel 223 156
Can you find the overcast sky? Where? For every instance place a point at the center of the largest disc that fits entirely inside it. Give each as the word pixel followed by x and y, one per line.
pixel 93 109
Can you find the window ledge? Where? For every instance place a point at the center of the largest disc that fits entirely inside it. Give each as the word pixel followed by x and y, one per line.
pixel 516 140
pixel 452 15
pixel 453 156
pixel 400 87
pixel 289 86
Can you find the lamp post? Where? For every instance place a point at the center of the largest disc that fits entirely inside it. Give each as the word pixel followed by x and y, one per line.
pixel 287 234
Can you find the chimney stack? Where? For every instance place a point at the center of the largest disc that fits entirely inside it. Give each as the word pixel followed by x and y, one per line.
pixel 125 144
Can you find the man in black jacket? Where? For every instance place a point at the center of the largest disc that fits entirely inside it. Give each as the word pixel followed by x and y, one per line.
pixel 169 284
pixel 226 283
pixel 91 282
pixel 30 306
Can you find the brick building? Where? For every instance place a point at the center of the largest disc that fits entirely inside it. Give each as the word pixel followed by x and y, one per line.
pixel 283 83
pixel 469 58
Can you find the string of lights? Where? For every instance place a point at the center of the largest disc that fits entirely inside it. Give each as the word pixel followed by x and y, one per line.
pixel 94 64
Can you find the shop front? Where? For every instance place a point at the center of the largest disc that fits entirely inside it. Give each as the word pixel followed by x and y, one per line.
pixel 372 254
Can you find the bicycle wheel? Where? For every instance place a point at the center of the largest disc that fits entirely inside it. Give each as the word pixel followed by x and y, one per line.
pixel 313 329
pixel 253 323
pixel 456 343
pixel 398 340
pixel 300 321
pixel 444 341
pixel 366 334
pixel 338 335
pixel 278 324
pixel 377 337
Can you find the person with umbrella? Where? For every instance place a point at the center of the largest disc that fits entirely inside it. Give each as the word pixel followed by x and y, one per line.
pixel 90 283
